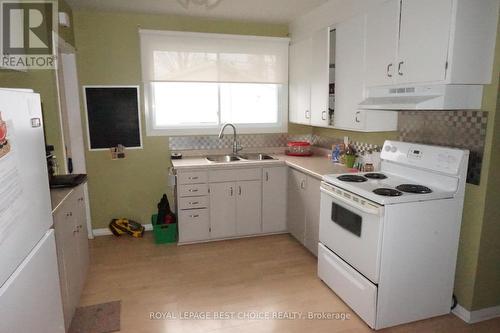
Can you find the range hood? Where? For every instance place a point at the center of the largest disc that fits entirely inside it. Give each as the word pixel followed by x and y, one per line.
pixel 432 97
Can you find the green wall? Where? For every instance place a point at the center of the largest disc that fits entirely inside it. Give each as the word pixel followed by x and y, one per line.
pixel 44 83
pixel 109 54
pixel 487 279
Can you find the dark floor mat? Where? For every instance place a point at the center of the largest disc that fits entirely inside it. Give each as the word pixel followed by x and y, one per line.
pixel 99 318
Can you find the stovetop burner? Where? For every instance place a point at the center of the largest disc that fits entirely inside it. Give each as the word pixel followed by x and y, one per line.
pixel 388 192
pixel 352 178
pixel 412 188
pixel 375 175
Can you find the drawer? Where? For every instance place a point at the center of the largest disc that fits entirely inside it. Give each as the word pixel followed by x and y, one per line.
pixel 194 177
pixel 354 289
pixel 224 175
pixel 193 202
pixel 194 225
pixel 194 190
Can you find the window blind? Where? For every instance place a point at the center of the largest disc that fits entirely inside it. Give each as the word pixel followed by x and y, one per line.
pixel 169 56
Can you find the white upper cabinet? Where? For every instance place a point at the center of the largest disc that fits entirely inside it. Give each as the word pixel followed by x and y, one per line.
pixel 299 82
pixel 309 80
pixel 382 26
pixel 349 82
pixel 320 78
pixel 430 42
pixel 424 39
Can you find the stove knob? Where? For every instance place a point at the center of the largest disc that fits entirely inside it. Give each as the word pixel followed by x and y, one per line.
pixel 394 149
pixel 387 148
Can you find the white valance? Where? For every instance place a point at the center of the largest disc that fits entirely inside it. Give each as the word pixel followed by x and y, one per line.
pixel 172 56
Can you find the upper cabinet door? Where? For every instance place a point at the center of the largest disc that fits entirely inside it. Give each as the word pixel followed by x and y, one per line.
pixel 424 40
pixel 320 77
pixel 349 70
pixel 300 82
pixel 382 28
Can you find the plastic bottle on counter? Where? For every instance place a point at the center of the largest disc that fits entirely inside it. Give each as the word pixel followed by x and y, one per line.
pixel 335 153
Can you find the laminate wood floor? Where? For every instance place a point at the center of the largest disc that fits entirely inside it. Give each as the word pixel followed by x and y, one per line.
pixel 244 278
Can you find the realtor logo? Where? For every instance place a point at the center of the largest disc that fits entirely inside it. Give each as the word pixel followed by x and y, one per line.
pixel 27 34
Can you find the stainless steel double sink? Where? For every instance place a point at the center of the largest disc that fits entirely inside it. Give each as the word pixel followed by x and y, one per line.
pixel 236 158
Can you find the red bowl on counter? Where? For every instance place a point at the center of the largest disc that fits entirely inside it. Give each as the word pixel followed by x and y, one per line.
pixel 298 148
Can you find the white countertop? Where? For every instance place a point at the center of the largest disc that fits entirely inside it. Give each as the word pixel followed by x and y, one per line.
pixel 316 166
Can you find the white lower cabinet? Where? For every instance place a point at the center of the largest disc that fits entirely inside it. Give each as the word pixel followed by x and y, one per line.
pixel 274 203
pixel 303 209
pixel 222 210
pixel 195 225
pixel 222 203
pixel 70 224
pixel 248 208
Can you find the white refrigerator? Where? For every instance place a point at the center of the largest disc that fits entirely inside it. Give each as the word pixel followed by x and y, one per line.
pixel 30 296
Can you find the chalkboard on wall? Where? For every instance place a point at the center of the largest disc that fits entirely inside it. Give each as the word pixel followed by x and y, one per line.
pixel 113 116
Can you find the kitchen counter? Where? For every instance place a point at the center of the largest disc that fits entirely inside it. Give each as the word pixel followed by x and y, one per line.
pixel 316 166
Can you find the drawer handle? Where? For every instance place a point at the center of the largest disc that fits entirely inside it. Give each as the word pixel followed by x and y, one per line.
pixel 193 178
pixel 194 216
pixel 191 190
pixel 267 176
pixel 194 203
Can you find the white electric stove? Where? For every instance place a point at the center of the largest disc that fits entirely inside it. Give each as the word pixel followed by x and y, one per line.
pixel 389 239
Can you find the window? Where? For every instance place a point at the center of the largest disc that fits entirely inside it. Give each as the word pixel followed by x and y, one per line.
pixel 195 82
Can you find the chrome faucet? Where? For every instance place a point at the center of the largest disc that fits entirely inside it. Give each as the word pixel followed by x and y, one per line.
pixel 236 144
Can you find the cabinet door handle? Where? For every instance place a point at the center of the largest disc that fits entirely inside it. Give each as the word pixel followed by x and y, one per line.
pixel 239 190
pixel 357 114
pixel 231 191
pixel 308 114
pixel 267 176
pixel 389 70
pixel 323 115
pixel 303 184
pixel 401 63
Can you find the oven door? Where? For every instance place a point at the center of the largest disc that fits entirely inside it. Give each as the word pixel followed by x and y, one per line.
pixel 351 227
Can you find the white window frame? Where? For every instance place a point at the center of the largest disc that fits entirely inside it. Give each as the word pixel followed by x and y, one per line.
pixel 151 130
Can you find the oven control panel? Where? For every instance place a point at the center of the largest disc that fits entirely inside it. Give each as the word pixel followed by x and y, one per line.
pixel 435 158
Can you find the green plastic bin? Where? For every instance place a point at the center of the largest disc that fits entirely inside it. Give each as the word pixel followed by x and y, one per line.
pixel 164 233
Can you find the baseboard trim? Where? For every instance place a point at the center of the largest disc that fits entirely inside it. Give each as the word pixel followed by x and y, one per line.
pixel 472 317
pixel 107 232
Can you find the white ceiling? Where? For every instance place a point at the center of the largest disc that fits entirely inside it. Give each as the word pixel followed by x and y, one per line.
pixel 272 11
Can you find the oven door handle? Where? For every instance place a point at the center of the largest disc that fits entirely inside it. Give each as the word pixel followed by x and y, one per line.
pixel 374 211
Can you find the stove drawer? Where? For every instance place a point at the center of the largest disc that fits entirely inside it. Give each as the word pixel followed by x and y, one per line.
pixel 354 289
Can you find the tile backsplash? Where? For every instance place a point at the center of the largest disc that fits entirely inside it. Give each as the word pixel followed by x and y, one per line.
pixel 206 142
pixel 458 129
